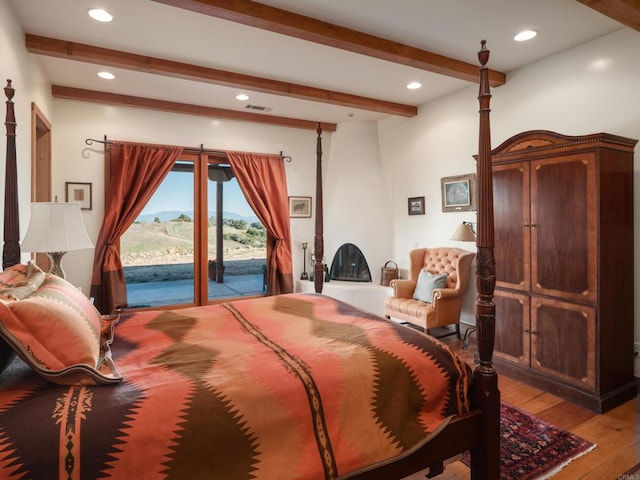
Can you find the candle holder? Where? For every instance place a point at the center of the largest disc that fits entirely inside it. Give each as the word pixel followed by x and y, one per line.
pixel 304 275
pixel 313 262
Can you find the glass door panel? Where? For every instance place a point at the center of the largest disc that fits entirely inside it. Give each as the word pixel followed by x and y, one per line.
pixel 237 241
pixel 157 251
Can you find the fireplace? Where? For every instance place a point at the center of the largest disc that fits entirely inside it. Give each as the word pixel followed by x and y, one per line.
pixel 349 265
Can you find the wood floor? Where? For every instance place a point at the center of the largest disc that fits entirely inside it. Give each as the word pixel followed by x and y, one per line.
pixel 616 433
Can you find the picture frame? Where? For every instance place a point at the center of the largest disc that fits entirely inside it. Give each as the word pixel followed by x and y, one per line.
pixel 79 192
pixel 300 207
pixel 459 193
pixel 415 205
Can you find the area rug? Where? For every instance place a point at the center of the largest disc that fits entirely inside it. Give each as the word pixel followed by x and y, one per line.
pixel 532 449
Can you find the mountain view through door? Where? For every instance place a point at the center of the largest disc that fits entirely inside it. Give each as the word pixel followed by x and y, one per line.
pixel 159 250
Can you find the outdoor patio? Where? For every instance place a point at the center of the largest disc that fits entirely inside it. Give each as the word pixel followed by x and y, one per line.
pixel 170 292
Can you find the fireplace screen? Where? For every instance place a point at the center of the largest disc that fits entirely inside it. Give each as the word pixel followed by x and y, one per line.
pixel 350 265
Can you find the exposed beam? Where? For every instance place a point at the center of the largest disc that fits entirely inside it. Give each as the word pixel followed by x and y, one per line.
pixel 93 96
pixel 131 61
pixel 274 19
pixel 626 12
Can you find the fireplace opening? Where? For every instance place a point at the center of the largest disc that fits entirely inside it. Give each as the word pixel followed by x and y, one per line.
pixel 349 265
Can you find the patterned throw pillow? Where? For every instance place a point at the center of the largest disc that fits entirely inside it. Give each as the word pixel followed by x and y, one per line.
pixel 31 281
pixel 12 276
pixel 59 333
pixel 9 278
pixel 427 283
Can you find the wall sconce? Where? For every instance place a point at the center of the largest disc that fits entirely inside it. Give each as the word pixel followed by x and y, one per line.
pixel 464 233
pixel 56 228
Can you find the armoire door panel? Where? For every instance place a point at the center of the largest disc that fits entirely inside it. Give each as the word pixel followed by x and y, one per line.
pixel 563 227
pixel 511 225
pixel 577 193
pixel 563 341
pixel 512 327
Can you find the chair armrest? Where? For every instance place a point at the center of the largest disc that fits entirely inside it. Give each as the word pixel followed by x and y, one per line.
pixel 445 299
pixel 447 303
pixel 403 288
pixel 445 293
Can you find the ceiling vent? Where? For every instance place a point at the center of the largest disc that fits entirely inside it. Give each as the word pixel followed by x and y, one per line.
pixel 259 108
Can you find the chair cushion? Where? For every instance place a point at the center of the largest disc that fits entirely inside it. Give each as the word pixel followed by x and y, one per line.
pixel 426 283
pixel 408 309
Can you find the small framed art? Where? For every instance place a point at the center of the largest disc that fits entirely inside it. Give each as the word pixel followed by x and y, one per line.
pixel 300 207
pixel 459 193
pixel 416 206
pixel 78 192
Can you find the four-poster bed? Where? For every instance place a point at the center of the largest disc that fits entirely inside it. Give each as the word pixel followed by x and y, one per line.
pixel 294 386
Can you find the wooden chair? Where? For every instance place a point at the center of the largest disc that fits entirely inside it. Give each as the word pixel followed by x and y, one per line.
pixel 444 305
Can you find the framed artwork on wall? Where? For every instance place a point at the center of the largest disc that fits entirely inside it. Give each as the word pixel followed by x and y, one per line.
pixel 300 207
pixel 416 206
pixel 78 192
pixel 459 193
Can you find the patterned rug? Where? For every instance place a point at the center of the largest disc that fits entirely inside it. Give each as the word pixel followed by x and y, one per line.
pixel 532 449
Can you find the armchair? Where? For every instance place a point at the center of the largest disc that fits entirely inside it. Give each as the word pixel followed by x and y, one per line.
pixel 444 305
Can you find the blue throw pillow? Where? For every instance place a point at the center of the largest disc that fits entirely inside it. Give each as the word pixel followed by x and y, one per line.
pixel 427 282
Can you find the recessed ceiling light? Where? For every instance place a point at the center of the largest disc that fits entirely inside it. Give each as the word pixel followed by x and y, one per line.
pixel 242 97
pixel 100 15
pixel 414 85
pixel 106 75
pixel 525 35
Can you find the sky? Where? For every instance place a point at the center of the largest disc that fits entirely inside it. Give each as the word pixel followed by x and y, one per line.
pixel 176 193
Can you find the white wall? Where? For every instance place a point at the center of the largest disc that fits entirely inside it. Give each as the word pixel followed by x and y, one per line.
pixel 588 89
pixel 75 161
pixel 31 87
pixel 356 200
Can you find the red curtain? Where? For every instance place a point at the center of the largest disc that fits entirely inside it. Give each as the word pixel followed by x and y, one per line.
pixel 137 170
pixel 264 184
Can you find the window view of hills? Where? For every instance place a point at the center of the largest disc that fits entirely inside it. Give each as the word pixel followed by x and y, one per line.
pixel 160 246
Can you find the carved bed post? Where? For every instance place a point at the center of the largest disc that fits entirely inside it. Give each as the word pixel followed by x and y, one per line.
pixel 486 393
pixel 11 247
pixel 318 275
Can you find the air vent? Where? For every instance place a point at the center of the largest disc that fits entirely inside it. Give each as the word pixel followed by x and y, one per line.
pixel 258 107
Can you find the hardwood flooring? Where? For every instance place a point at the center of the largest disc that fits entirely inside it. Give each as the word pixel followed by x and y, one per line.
pixel 616 433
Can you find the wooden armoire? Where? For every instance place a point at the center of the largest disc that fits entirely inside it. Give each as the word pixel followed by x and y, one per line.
pixel 564 264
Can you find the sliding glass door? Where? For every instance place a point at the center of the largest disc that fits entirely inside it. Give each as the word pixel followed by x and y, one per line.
pixel 196 241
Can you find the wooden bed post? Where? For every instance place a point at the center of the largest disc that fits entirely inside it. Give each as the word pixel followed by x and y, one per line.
pixel 485 460
pixel 318 275
pixel 11 247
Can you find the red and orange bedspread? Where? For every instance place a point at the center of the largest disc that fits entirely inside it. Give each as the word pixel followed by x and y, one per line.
pixel 285 387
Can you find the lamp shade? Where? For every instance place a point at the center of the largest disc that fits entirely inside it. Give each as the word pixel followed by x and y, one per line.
pixel 463 233
pixel 56 227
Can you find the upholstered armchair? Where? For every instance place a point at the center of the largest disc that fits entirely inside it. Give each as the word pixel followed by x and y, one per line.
pixel 432 296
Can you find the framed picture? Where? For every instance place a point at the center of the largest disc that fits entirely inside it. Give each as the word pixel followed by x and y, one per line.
pixel 78 192
pixel 416 206
pixel 300 207
pixel 459 193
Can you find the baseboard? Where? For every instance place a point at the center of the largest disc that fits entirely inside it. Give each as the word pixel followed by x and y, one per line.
pixel 597 403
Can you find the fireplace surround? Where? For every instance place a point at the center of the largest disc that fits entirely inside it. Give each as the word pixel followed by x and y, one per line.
pixel 349 265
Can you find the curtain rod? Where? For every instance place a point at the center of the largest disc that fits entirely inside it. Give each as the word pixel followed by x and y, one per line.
pixel 91 141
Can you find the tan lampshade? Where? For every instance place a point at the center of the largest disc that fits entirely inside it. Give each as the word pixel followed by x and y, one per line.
pixel 463 233
pixel 56 227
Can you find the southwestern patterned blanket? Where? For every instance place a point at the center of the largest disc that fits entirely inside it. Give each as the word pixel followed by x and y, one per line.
pixel 296 386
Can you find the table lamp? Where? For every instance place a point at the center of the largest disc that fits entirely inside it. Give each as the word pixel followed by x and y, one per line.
pixel 55 229
pixel 464 233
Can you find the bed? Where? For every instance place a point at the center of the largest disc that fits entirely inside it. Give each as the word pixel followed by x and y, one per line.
pixel 294 386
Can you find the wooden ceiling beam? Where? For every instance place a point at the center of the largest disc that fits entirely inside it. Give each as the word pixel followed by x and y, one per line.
pixel 276 20
pixel 626 12
pixel 131 61
pixel 93 96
